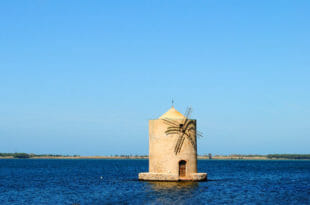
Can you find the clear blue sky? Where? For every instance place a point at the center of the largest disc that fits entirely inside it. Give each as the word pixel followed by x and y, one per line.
pixel 84 77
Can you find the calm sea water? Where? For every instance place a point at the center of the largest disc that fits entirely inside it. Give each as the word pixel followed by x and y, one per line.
pixel 43 181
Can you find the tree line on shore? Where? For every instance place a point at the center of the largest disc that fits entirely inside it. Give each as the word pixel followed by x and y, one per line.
pixel 22 155
pixel 288 156
pixel 268 156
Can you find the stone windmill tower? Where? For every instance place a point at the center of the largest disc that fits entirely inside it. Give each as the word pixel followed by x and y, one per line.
pixel 173 148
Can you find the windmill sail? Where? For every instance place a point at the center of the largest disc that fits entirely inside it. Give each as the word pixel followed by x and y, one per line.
pixel 184 128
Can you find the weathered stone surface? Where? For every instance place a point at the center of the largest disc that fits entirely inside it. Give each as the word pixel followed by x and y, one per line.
pixel 164 161
pixel 199 176
pixel 148 176
pixel 162 158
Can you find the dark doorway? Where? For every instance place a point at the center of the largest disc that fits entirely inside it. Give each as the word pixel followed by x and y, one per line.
pixel 182 168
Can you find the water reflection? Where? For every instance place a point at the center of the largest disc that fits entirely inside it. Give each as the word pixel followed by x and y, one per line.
pixel 172 192
pixel 158 186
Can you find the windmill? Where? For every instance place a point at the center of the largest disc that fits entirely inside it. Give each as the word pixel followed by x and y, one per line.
pixel 185 129
pixel 173 148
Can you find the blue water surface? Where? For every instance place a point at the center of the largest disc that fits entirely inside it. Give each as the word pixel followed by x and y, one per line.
pixel 92 181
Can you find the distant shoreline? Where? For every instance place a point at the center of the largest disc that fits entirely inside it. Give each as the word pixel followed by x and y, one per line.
pixel 217 157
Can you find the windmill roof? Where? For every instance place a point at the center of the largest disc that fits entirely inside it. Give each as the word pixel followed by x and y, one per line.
pixel 172 113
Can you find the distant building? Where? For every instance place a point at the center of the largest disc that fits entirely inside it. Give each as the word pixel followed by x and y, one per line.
pixel 172 149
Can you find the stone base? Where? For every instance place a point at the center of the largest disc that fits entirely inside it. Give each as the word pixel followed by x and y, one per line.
pixel 149 176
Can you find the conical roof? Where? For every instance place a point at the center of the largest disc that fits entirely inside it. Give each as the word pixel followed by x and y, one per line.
pixel 172 113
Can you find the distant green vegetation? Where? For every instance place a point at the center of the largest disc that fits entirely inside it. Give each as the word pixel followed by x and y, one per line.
pixel 21 155
pixel 5 154
pixel 288 156
pixel 238 156
pixel 268 156
pixel 15 155
pixel 247 155
pixel 25 155
pixel 128 156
